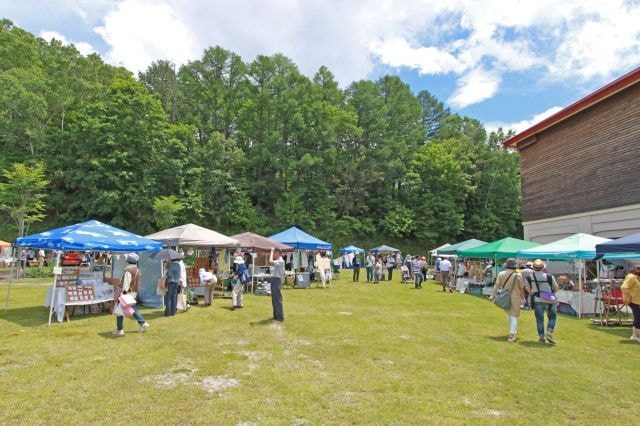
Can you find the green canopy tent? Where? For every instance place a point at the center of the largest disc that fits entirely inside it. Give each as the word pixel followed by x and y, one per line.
pixel 506 247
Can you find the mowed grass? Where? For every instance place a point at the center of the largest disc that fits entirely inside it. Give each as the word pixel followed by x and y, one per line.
pixel 353 354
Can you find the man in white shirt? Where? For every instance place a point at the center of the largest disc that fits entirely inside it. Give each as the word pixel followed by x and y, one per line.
pixel 445 268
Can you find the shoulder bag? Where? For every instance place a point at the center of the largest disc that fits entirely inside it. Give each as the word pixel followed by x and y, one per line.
pixel 548 297
pixel 503 298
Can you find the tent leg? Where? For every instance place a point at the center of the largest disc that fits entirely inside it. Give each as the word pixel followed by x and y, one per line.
pixel 53 288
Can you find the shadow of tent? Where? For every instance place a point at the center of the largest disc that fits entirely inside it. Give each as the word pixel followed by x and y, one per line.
pixel 621 331
pixel 29 316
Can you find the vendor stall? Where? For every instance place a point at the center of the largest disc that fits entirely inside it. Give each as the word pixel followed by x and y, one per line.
pixel 259 248
pixel 85 236
pixel 208 248
pixel 301 260
pixel 579 248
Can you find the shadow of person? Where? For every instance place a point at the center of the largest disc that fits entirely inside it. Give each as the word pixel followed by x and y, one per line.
pixel 263 322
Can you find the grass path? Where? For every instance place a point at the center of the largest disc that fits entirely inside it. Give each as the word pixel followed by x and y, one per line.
pixel 353 354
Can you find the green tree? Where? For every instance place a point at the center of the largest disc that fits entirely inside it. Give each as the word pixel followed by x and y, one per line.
pixel 22 194
pixel 165 210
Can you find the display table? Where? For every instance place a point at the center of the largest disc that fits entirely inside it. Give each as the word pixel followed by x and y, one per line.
pixel 82 296
pixel 572 298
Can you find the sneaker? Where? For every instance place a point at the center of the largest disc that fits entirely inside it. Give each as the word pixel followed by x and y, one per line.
pixel 511 338
pixel 634 338
pixel 541 339
pixel 118 332
pixel 550 338
pixel 143 327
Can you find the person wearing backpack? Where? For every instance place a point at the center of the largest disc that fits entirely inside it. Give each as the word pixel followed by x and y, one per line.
pixel 510 280
pixel 241 278
pixel 542 287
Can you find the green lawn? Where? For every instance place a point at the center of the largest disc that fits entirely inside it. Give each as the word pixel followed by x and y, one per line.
pixel 353 354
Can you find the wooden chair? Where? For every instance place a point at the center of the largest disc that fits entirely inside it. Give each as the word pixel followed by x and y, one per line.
pixel 612 303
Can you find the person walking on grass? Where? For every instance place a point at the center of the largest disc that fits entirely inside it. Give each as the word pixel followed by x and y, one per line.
pixel 370 261
pixel 510 280
pixel 129 284
pixel 357 262
pixel 542 285
pixel 173 282
pixel 377 270
pixel 631 297
pixel 445 268
pixel 391 265
pixel 277 272
pixel 416 268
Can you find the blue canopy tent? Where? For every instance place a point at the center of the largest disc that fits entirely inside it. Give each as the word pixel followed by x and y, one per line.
pixel 351 249
pixel 91 235
pixel 625 247
pixel 300 240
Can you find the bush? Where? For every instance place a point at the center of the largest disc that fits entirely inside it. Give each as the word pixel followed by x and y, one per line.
pixel 38 272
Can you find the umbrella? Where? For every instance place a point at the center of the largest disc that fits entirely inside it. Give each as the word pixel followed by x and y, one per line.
pixel 166 254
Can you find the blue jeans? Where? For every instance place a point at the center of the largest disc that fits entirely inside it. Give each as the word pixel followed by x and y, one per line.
pixel 276 299
pixel 539 309
pixel 171 299
pixel 137 315
pixel 369 273
pixel 417 279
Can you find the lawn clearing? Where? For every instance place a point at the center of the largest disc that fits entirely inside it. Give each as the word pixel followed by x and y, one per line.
pixel 353 354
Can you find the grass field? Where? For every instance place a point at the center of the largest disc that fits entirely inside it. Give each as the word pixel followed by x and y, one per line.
pixel 353 354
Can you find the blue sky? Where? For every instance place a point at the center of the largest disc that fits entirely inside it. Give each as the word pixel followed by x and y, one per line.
pixel 508 63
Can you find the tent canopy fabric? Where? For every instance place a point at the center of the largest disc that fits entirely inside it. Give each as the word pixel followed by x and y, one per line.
pixel 300 240
pixel 383 249
pixel 629 245
pixel 4 244
pixel 576 246
pixel 463 245
pixel 89 236
pixel 435 251
pixel 193 235
pixel 258 243
pixel 351 249
pixel 506 247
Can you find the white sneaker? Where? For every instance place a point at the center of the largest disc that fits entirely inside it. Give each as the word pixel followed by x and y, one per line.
pixel 143 327
pixel 635 338
pixel 118 332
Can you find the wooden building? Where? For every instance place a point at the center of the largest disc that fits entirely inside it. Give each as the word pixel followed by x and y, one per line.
pixel 581 166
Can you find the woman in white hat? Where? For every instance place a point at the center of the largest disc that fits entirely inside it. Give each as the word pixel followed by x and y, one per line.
pixel 510 280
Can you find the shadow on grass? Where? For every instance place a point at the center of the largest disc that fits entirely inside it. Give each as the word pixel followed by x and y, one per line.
pixel 623 331
pixel 30 316
pixel 263 322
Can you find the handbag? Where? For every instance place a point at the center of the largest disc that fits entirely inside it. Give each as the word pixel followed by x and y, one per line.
pixel 117 310
pixel 127 300
pixel 162 284
pixel 503 298
pixel 548 297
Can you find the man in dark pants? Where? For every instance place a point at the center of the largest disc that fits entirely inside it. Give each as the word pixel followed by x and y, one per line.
pixel 277 272
pixel 356 266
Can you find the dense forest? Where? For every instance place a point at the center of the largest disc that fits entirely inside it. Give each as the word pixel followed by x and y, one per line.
pixel 237 146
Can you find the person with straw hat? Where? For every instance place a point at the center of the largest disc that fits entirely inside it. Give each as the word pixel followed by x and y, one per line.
pixel 542 286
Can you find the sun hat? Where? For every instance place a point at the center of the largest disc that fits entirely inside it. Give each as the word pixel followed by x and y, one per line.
pixel 131 258
pixel 511 263
pixel 538 265
pixel 238 260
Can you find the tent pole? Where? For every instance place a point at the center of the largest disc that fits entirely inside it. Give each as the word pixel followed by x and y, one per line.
pixel 580 287
pixel 11 270
pixel 53 288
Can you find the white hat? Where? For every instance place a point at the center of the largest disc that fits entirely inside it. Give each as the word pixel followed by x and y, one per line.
pixel 238 260
pixel 131 258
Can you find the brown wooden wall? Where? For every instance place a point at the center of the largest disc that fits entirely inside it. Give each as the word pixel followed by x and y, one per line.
pixel 590 161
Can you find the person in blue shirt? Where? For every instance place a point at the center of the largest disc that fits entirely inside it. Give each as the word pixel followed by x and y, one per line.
pixel 357 262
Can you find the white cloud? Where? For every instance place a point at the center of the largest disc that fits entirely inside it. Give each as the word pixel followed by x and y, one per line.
pixel 522 125
pixel 475 86
pixel 477 43
pixel 83 47
pixel 140 32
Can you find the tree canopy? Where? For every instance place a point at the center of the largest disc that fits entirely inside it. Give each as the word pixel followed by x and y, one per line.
pixel 249 146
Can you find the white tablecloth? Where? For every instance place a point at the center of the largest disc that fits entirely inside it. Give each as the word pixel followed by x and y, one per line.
pixel 572 298
pixel 103 293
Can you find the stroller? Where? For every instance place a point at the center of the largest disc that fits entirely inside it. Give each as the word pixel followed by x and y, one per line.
pixel 406 275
